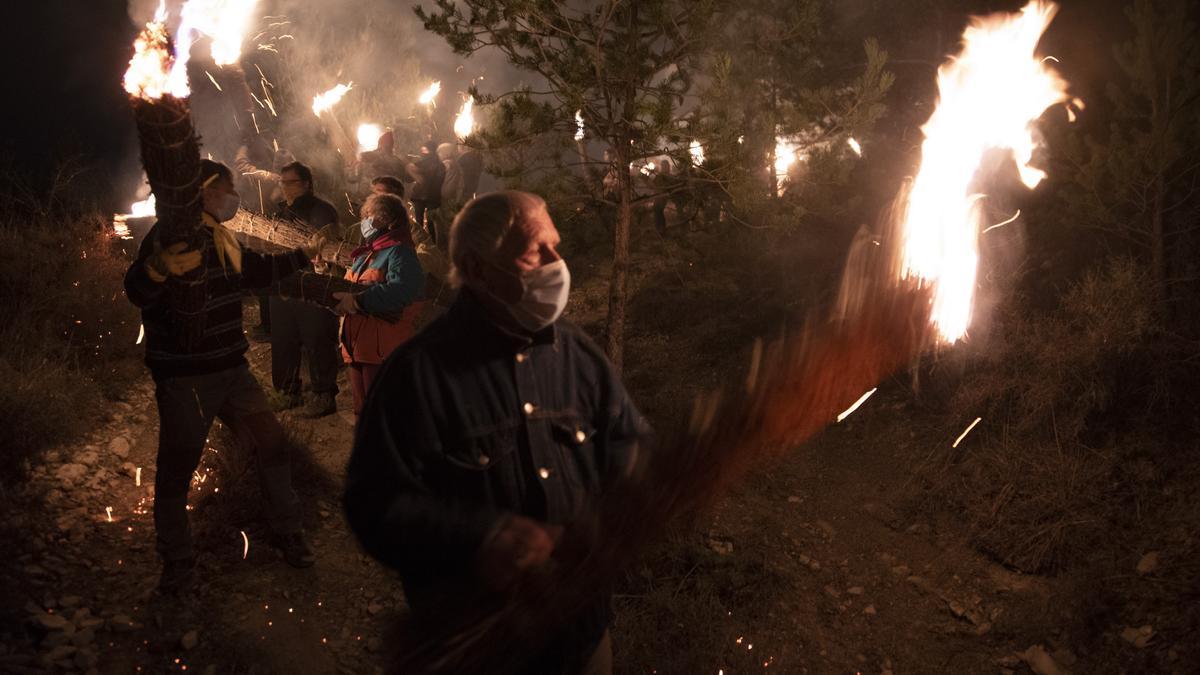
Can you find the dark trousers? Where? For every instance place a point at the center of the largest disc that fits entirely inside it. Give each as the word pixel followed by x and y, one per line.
pixel 303 329
pixel 264 312
pixel 186 409
pixel 361 376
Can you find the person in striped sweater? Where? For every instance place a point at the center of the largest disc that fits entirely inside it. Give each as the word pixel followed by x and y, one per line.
pixel 196 356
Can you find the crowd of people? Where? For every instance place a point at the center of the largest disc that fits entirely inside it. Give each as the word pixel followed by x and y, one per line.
pixel 480 435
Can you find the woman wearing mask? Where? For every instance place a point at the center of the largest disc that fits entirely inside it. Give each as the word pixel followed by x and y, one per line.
pixel 382 317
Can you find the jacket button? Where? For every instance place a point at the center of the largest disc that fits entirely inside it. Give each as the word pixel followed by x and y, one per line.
pixel 529 408
pixel 520 358
pixel 544 473
pixel 484 460
pixel 580 436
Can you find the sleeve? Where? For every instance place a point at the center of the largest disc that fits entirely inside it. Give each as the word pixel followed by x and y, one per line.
pixel 324 216
pixel 260 270
pixel 141 290
pixel 622 433
pixel 405 281
pixel 389 505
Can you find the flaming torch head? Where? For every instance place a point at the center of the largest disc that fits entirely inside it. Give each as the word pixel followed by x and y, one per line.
pixel 697 152
pixel 428 96
pixel 464 124
pixel 989 94
pixel 149 74
pixel 579 125
pixel 326 101
pixel 368 136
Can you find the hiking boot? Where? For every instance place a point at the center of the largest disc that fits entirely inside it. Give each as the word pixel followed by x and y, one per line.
pixel 259 333
pixel 295 549
pixel 281 401
pixel 177 576
pixel 320 405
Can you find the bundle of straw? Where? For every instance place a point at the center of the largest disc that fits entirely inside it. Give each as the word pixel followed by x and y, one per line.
pixel 793 389
pixel 286 235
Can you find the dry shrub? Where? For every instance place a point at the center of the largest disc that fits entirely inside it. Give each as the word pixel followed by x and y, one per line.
pixel 68 333
pixel 1041 493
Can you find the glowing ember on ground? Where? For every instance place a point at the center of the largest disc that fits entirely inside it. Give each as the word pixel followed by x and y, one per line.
pixel 464 124
pixel 862 399
pixel 854 146
pixel 137 476
pixel 965 432
pixel 368 136
pixel 245 544
pixel 579 125
pixel 990 94
pixel 326 101
pixel 428 96
pixel 697 153
pixel 141 336
pixel 108 512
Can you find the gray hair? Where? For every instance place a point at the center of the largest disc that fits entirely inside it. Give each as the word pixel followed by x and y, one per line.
pixel 481 225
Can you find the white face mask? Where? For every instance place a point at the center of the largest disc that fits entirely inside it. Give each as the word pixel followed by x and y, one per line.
pixel 544 296
pixel 368 227
pixel 228 208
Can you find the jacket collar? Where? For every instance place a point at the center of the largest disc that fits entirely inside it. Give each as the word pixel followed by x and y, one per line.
pixel 470 316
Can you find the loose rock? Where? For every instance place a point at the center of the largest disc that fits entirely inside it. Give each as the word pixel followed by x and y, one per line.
pixel 119 446
pixel 189 640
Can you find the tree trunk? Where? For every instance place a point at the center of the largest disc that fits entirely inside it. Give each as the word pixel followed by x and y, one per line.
pixel 620 272
pixel 1158 257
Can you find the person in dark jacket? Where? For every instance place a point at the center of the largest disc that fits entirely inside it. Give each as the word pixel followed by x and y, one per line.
pixel 490 430
pixel 203 375
pixel 378 320
pixel 297 327
pixel 256 178
pixel 428 172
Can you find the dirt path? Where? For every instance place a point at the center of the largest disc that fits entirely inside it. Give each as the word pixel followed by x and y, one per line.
pixel 825 573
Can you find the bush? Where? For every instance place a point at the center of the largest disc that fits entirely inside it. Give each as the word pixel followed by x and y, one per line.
pixel 1063 390
pixel 68 337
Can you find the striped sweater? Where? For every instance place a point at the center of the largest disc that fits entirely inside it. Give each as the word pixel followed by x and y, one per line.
pixel 220 342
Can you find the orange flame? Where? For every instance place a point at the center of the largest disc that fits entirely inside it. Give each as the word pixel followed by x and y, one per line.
pixel 326 101
pixel 427 97
pixel 368 136
pixel 148 75
pixel 989 96
pixel 464 124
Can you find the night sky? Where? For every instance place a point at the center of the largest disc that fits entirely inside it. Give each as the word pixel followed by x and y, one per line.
pixel 65 59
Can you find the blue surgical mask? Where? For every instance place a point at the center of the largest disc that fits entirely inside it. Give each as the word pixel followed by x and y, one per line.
pixel 368 227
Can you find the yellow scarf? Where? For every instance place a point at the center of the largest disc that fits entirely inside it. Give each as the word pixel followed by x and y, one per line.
pixel 229 251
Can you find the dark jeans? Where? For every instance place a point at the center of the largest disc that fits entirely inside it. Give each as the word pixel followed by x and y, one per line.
pixel 186 408
pixel 302 328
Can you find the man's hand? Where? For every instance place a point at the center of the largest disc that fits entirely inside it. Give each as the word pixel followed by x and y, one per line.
pixel 313 248
pixel 175 260
pixel 517 544
pixel 347 304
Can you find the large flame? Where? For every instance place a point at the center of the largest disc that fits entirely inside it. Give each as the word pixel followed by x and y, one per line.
pixel 427 97
pixel 785 157
pixel 368 136
pixel 148 75
pixel 225 22
pixel 330 98
pixel 464 124
pixel 989 96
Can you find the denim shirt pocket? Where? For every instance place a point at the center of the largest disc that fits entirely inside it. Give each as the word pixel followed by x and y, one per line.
pixel 575 442
pixel 483 465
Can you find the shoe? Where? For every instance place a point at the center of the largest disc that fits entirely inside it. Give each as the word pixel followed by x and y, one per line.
pixel 320 405
pixel 177 576
pixel 260 333
pixel 295 549
pixel 281 401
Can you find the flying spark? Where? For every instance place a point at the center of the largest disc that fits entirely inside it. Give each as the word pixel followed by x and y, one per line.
pixel 862 399
pixel 245 544
pixel 965 432
pixel 1003 223
pixel 854 146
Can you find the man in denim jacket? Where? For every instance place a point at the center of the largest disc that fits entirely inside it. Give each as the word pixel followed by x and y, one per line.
pixel 492 429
